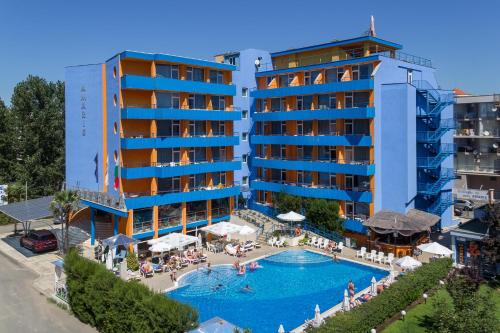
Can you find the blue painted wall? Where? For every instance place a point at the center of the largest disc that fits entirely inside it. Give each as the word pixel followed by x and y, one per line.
pixel 244 76
pixel 113 116
pixel 395 143
pixel 83 121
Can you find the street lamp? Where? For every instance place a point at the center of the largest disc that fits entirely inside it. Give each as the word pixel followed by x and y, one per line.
pixel 403 314
pixel 425 298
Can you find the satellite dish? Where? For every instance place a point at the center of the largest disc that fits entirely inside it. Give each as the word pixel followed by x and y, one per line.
pixel 494 108
pixel 495 145
pixel 257 62
pixel 475 152
pixel 486 133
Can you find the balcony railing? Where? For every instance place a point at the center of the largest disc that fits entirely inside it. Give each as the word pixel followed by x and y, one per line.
pixel 323 160
pixel 104 199
pixel 201 187
pixel 354 53
pixel 176 163
pixel 322 133
pixel 140 135
pixel 493 133
pixel 156 106
pixel 171 221
pixel 321 108
pixel 360 188
pixel 142 226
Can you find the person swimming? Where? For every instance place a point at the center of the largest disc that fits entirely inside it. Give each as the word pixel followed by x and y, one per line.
pixel 217 287
pixel 242 270
pixel 247 289
pixel 209 269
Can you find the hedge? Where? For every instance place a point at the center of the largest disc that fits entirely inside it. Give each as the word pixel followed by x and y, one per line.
pixel 97 297
pixel 397 297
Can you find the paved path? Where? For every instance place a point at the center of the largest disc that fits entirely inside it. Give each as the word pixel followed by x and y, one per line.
pixel 23 309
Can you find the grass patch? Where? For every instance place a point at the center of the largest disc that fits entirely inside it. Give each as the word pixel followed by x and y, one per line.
pixel 415 316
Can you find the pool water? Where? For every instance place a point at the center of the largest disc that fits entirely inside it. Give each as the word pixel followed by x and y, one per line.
pixel 284 291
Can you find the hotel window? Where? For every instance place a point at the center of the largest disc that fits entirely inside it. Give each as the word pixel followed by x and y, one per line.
pixel 365 71
pixel 276 104
pixel 196 101
pixel 244 180
pixel 348 100
pixel 169 155
pixel 325 127
pixel 198 154
pixel 304 102
pixel 244 92
pixel 348 127
pixel 349 209
pixel 334 74
pixel 219 178
pixel 168 185
pixel 244 136
pixel 167 71
pixel 349 182
pixel 168 100
pixel 244 114
pixel 197 128
pixel 218 103
pixel 216 76
pixel 327 101
pixel 409 76
pixel 218 127
pixel 195 74
pixel 286 80
pixel 168 128
pixel 244 158
pixel 311 77
pixel 361 99
pixel 269 80
pixel 355 73
pixel 218 154
pixel 283 151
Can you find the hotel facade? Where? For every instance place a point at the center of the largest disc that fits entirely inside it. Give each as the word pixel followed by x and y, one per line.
pixel 158 143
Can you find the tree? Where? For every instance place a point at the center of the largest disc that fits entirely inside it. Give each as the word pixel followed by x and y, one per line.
pixel 36 122
pixel 285 203
pixel 324 213
pixel 469 311
pixel 490 252
pixel 7 149
pixel 63 206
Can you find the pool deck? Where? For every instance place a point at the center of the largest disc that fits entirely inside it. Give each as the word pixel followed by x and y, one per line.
pixel 162 282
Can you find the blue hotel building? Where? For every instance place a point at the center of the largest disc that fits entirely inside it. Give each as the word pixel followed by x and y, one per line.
pixel 165 139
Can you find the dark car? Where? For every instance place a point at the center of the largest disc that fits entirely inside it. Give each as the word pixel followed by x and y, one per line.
pixel 39 241
pixel 464 205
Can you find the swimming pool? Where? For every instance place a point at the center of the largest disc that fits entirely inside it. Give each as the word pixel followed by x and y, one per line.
pixel 284 291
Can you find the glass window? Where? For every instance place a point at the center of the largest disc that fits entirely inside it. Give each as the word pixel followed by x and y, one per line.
pixel 244 158
pixel 348 100
pixel 244 114
pixel 168 100
pixel 245 180
pixel 197 128
pixel 307 78
pixel 218 127
pixel 304 102
pixel 355 72
pixel 276 104
pixel 168 128
pixel 195 74
pixel 361 99
pixel 244 136
pixel 365 71
pixel 196 101
pixel 218 102
pixel 244 92
pixel 167 71
pixel 216 76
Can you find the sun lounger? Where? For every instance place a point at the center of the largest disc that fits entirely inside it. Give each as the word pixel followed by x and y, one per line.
pixel 145 273
pixel 279 243
pixel 340 247
pixel 311 241
pixel 230 250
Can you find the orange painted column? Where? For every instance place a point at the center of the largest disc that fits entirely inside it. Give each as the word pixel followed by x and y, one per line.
pixel 184 217
pixel 129 228
pixel 341 207
pixel 209 211
pixel 155 221
pixel 231 205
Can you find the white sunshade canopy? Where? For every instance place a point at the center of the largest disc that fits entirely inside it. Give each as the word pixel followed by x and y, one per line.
pixel 291 217
pixel 245 233
pixel 408 262
pixel 222 228
pixel 435 248
pixel 171 241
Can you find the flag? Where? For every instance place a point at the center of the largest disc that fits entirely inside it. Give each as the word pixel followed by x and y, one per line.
pixel 96 170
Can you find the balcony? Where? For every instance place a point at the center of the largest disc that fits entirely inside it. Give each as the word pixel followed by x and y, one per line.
pixel 173 169
pixel 319 114
pixel 161 83
pixel 472 133
pixel 146 141
pixel 361 168
pixel 149 199
pixel 160 113
pixel 334 139
pixel 292 90
pixel 479 163
pixel 359 194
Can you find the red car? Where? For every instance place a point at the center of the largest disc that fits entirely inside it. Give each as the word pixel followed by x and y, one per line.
pixel 39 241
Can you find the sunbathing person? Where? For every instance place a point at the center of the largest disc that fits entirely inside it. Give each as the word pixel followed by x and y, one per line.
pixel 354 302
pixel 351 288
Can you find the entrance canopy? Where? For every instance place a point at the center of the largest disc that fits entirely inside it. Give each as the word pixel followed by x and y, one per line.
pixel 222 228
pixel 28 210
pixel 291 217
pixel 386 222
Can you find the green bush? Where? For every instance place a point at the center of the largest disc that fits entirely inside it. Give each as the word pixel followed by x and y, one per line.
pixel 397 297
pixel 97 297
pixel 132 261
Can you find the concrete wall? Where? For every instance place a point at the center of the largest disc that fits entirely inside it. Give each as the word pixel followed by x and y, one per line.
pixel 83 122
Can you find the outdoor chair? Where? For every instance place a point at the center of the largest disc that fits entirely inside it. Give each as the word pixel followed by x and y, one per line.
pixel 389 258
pixel 371 256
pixel 311 241
pixel 340 247
pixel 361 253
pixel 318 242
pixel 380 257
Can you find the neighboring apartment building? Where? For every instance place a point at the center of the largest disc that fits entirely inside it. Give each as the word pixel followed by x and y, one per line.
pixel 356 121
pixel 477 137
pixel 150 142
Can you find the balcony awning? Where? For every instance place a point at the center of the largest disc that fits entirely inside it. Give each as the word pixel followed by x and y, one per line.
pixel 386 222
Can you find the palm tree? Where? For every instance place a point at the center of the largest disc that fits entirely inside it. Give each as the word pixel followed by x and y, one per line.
pixel 64 204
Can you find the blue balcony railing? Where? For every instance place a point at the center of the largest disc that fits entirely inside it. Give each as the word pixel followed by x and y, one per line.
pixel 434 186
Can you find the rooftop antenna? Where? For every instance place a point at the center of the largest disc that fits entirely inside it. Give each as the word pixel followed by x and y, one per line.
pixel 372 32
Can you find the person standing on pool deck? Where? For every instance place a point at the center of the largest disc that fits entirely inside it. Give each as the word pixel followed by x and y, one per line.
pixel 351 287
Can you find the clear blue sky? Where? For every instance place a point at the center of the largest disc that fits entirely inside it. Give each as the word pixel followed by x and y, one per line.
pixel 461 37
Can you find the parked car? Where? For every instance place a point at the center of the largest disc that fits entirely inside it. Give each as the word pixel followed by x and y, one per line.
pixel 39 241
pixel 464 205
